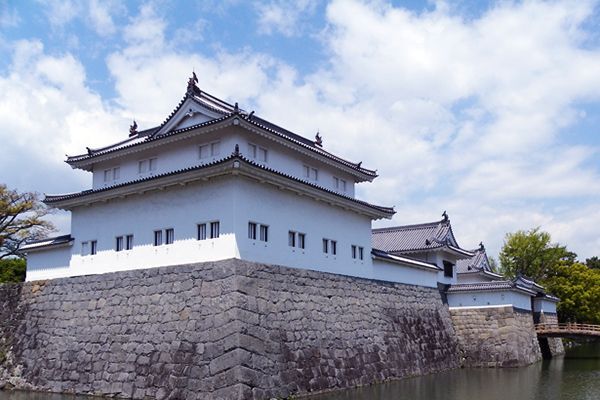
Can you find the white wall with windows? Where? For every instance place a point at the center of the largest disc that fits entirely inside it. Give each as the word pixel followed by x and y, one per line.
pixel 212 146
pixel 227 217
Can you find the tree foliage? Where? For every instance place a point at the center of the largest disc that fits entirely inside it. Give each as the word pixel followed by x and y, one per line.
pixel 21 219
pixel 12 270
pixel 578 288
pixel 593 262
pixel 531 253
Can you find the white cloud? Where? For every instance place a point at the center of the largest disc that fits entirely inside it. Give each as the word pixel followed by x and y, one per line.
pixel 283 16
pixel 46 110
pixel 101 18
pixel 60 12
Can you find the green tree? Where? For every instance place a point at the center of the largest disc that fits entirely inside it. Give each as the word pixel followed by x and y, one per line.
pixel 12 270
pixel 531 253
pixel 21 220
pixel 578 288
pixel 593 262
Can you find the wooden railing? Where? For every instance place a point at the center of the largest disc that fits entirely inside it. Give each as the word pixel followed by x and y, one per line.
pixel 568 329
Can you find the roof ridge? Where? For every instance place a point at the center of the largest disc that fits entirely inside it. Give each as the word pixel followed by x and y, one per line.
pixel 406 227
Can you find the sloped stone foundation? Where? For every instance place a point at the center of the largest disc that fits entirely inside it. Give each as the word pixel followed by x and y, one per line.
pixel 495 337
pixel 223 330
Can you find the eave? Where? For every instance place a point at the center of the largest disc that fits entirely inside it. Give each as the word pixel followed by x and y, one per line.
pixel 404 261
pixel 49 243
pixel 234 164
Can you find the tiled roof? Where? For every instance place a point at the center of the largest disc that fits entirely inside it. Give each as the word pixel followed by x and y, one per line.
pixel 47 242
pixel 415 238
pixel 478 263
pixel 50 199
pixel 481 286
pixel 226 111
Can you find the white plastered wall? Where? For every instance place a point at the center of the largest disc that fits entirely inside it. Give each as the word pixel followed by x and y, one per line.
pixel 489 298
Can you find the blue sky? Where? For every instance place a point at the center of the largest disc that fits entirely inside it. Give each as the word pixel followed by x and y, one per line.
pixel 489 110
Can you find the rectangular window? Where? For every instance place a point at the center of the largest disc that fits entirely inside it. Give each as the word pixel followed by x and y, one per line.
pixel 214 229
pixel 262 154
pixel 143 166
pixel 158 238
pixel 201 231
pixel 264 233
pixel 169 236
pixel 128 242
pixel 152 164
pixel 251 230
pixel 93 247
pixel 339 184
pixel 209 150
pixel 329 246
pixel 314 174
pixel 251 150
pixel 215 148
pixel 448 269
pixel 84 248
pixel 119 243
pixel 116 173
pixel 306 170
pixel 292 238
pixel 301 240
pixel 204 151
pixel 360 253
pixel 107 175
pixel 257 153
pixel 354 251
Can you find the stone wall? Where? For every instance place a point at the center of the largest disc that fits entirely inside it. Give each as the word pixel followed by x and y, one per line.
pixel 222 330
pixel 551 347
pixel 495 337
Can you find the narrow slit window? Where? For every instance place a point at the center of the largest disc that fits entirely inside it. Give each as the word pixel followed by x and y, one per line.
pixel 301 240
pixel 119 243
pixel 264 233
pixel 354 251
pixel 325 246
pixel 201 231
pixel 214 229
pixel 251 230
pixel 128 242
pixel 158 238
pixel 93 247
pixel 169 236
pixel 360 253
pixel 84 248
pixel 292 239
pixel 333 245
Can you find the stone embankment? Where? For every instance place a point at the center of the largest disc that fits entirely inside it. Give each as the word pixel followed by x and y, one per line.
pixel 495 337
pixel 222 330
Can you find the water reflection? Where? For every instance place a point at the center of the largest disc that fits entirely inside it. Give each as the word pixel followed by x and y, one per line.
pixel 574 377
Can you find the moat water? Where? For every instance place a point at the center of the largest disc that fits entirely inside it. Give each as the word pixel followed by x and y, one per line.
pixel 576 376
